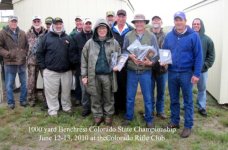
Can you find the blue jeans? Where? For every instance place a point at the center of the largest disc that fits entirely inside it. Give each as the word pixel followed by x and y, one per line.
pixel 144 78
pixel 202 95
pixel 177 82
pixel 160 82
pixel 10 75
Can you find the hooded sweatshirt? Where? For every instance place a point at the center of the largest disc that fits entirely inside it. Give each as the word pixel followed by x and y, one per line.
pixel 208 48
pixel 186 51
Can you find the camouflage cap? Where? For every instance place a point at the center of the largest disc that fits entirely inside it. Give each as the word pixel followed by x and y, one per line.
pixel 110 13
pixel 48 20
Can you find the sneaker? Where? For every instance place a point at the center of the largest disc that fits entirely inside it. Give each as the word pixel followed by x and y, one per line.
pixel 11 106
pixel 86 113
pixel 54 115
pixel 126 123
pixel 162 116
pixel 186 133
pixel 202 112
pixel 24 104
pixel 150 125
pixel 172 126
pixel 108 121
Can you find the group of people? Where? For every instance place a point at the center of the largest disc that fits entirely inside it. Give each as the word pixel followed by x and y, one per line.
pixel 86 53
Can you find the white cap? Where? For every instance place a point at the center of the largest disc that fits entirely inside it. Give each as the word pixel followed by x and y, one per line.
pixel 36 18
pixel 87 20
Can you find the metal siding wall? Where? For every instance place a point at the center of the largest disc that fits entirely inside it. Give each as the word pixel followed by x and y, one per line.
pixel 67 9
pixel 215 28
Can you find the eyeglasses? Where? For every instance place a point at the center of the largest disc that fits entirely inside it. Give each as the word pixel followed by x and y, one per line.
pixel 196 23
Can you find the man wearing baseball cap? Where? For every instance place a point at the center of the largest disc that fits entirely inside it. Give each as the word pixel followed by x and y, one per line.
pixel 33 36
pixel 184 72
pixel 76 46
pixel 13 49
pixel 110 17
pixel 78 28
pixel 53 59
pixel 159 73
pixel 119 29
pixel 139 72
pixel 48 22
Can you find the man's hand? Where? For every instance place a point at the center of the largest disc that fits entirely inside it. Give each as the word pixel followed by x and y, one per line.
pixel 85 81
pixel 147 62
pixel 133 58
pixel 115 68
pixel 194 80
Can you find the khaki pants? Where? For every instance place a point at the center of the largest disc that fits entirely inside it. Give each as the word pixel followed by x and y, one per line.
pixel 103 100
pixel 52 82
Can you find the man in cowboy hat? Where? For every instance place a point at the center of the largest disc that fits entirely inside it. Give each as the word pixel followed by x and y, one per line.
pixel 139 71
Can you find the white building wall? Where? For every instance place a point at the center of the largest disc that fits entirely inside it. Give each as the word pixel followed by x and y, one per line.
pixel 66 9
pixel 214 16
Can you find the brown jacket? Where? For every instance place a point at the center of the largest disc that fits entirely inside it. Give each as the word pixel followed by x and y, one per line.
pixel 13 53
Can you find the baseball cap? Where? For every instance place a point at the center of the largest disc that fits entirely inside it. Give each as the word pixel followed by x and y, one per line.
pixel 121 12
pixel 11 18
pixel 36 18
pixel 48 20
pixel 78 17
pixel 57 19
pixel 180 14
pixel 154 17
pixel 110 13
pixel 88 20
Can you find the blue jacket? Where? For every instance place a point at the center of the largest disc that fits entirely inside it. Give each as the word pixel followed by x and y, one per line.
pixel 186 51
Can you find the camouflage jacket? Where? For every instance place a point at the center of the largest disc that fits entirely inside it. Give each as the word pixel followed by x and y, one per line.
pixel 33 41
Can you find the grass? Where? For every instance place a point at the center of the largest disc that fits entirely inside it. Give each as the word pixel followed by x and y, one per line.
pixel 22 128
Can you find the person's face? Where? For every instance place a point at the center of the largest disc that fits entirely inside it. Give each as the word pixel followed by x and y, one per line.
pixel 102 31
pixel 121 19
pixel 110 19
pixel 58 26
pixel 179 23
pixel 87 27
pixel 156 23
pixel 12 24
pixel 79 23
pixel 48 25
pixel 140 25
pixel 36 23
pixel 196 25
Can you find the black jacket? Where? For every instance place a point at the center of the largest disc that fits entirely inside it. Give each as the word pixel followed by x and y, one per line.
pixel 53 52
pixel 117 36
pixel 76 45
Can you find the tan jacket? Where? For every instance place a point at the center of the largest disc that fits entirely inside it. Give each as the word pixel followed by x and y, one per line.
pixel 13 53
